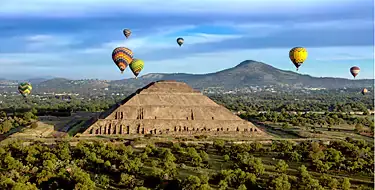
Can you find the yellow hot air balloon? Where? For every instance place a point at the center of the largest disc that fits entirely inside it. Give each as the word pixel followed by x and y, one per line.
pixel 364 91
pixel 298 55
pixel 136 66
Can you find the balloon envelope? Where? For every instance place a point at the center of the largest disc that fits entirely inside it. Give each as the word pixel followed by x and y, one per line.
pixel 364 91
pixel 180 41
pixel 298 55
pixel 354 71
pixel 127 33
pixel 136 66
pixel 122 57
pixel 25 88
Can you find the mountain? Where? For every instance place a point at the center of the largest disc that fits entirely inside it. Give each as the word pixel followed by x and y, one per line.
pixel 67 85
pixel 249 73
pixel 36 80
pixel 246 74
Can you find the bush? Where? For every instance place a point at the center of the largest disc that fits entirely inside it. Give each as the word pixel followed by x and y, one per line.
pixel 34 125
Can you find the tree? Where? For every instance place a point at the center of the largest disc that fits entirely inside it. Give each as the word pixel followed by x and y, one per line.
pixel 359 127
pixel 205 187
pixel 285 126
pixel 191 183
pixel 226 158
pixel 34 125
pixel 204 155
pixel 306 181
pixel 141 188
pixel 366 112
pixel 242 187
pixel 28 116
pixel 3 114
pixel 6 126
pixel 127 180
pixel 345 184
pixel 195 158
pixel 333 184
pixel 219 145
pixel 328 182
pixel 251 164
pixel 281 166
pixel 104 180
pixel 281 182
pixel 223 185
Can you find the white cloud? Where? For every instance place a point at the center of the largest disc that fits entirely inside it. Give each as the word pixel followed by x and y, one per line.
pixel 344 57
pixel 30 59
pixel 80 7
pixel 8 62
pixel 208 62
pixel 39 38
pixel 198 38
pixel 43 41
pixel 156 42
pixel 336 24
pixel 212 62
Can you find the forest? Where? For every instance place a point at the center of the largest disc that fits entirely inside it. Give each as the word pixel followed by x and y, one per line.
pixel 280 165
pixel 222 164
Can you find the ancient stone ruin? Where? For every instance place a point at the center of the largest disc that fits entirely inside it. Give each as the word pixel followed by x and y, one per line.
pixel 169 107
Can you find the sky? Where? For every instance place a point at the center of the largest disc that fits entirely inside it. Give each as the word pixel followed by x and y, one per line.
pixel 75 38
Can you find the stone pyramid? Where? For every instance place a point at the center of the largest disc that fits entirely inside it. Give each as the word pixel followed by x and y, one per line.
pixel 169 107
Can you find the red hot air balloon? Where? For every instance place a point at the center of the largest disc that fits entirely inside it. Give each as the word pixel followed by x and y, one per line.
pixel 354 71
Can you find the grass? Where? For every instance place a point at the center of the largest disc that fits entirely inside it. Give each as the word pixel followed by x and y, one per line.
pixel 76 128
pixel 217 163
pixel 340 132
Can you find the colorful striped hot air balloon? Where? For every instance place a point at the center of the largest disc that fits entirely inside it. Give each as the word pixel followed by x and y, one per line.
pixel 298 55
pixel 180 41
pixel 136 66
pixel 122 57
pixel 25 88
pixel 354 71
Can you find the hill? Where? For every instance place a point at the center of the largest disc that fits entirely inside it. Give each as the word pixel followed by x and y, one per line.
pixel 246 74
pixel 66 85
pixel 250 73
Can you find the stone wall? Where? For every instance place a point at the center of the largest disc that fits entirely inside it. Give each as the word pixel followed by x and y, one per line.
pixel 172 112
pixel 147 126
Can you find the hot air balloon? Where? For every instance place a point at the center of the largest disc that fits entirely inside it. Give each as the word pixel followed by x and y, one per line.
pixel 354 71
pixel 127 32
pixel 25 88
pixel 136 66
pixel 122 57
pixel 180 41
pixel 298 55
pixel 364 91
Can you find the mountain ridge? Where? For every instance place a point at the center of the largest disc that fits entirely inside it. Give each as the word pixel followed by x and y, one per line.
pixel 247 74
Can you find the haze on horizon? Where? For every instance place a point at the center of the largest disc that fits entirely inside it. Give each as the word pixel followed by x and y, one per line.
pixel 75 39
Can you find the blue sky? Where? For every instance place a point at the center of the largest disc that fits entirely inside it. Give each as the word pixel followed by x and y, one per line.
pixel 75 38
